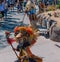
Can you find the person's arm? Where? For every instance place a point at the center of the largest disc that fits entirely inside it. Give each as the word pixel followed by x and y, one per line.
pixel 29 52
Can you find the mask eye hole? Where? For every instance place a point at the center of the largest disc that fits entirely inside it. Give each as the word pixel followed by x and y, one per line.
pixel 16 33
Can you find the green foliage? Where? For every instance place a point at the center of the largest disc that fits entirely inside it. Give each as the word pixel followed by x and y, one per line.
pixel 58 6
pixel 0 15
pixel 58 2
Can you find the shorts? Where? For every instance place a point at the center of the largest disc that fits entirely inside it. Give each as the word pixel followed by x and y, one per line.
pixel 33 11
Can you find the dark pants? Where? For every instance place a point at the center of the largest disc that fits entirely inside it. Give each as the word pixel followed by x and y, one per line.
pixel 5 12
pixel 25 4
pixel 21 5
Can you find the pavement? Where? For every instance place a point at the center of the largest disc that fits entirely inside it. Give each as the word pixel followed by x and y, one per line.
pixel 46 49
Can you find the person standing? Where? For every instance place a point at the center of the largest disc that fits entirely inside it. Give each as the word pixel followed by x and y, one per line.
pixel 25 1
pixel 41 7
pixel 30 10
pixel 6 8
pixel 20 5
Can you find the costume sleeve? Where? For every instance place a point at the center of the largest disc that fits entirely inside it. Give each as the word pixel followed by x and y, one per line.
pixel 18 48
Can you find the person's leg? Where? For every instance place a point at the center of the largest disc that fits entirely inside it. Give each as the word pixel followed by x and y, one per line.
pixel 2 15
pixel 5 13
pixel 21 6
pixel 24 4
pixel 30 17
pixel 34 22
pixel 18 7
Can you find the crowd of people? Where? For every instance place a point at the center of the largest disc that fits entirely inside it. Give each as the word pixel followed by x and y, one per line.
pixel 5 5
pixel 20 4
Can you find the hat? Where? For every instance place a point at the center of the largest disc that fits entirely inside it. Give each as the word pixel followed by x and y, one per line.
pixel 16 29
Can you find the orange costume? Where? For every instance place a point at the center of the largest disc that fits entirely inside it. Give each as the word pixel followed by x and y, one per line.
pixel 28 33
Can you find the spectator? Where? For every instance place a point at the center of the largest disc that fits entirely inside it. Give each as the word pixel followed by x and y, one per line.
pixel 41 7
pixel 20 5
pixel 1 10
pixel 31 12
pixel 25 1
pixel 12 2
pixel 6 8
pixel 8 1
